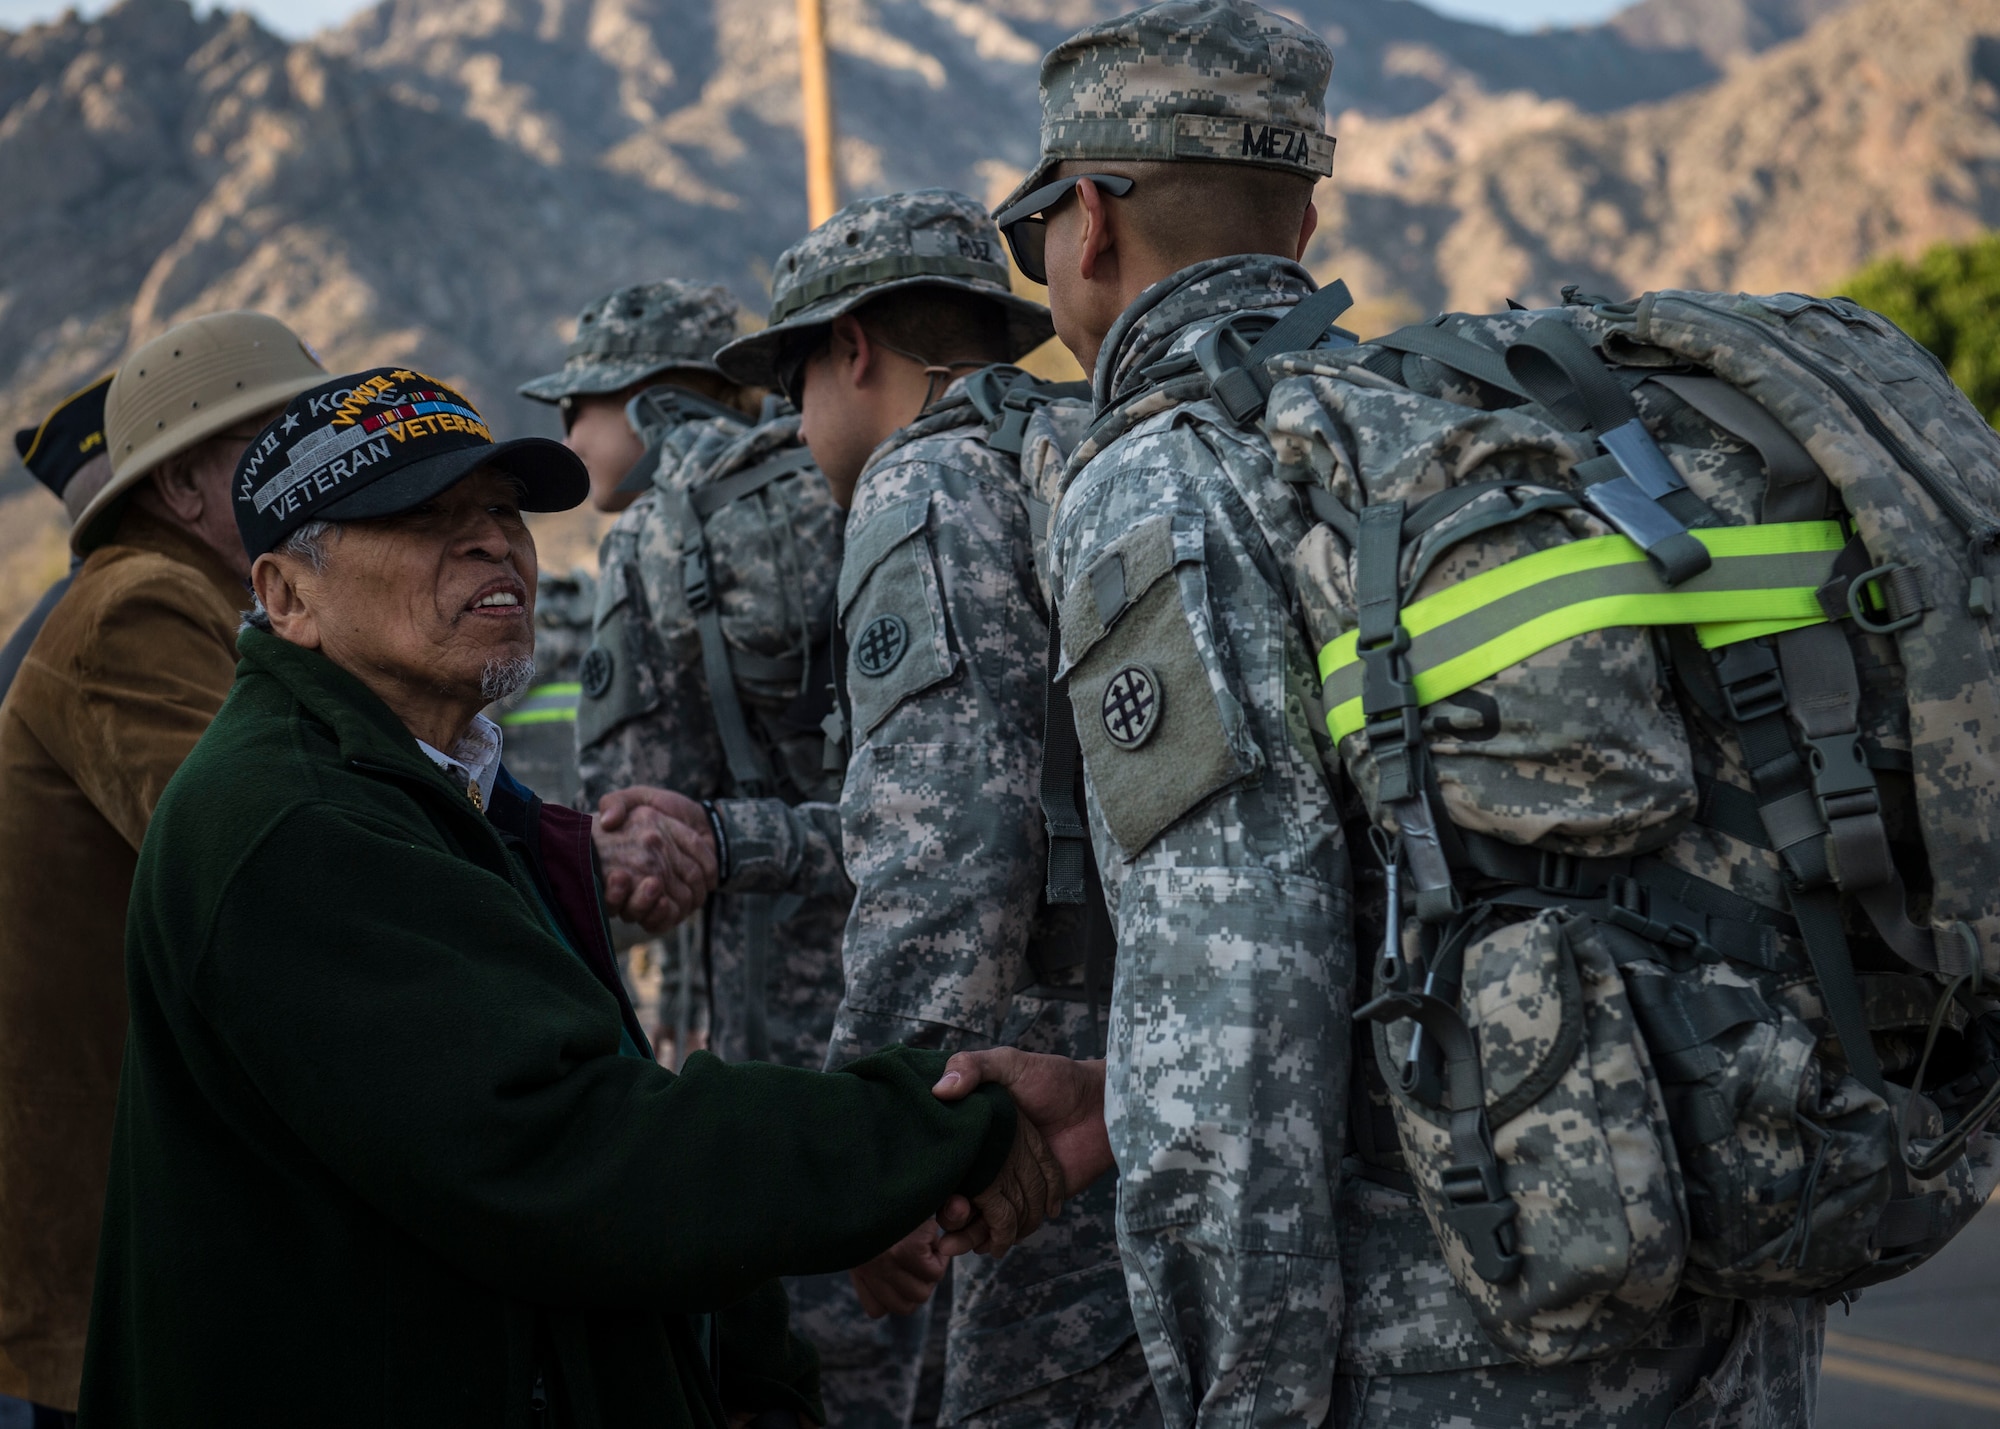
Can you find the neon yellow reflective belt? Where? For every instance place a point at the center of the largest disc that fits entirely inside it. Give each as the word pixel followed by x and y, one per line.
pixel 553 703
pixel 1764 579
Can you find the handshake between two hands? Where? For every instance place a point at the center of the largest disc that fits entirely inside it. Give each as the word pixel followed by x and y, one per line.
pixel 657 854
pixel 659 863
pixel 1060 1147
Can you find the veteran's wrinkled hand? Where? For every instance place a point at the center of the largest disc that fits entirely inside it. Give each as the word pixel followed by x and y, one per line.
pixel 1061 1097
pixel 657 854
pixel 1029 1189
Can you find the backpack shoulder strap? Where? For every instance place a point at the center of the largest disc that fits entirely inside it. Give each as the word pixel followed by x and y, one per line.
pixel 1073 876
pixel 655 413
pixel 1226 365
pixel 1006 397
pixel 1235 368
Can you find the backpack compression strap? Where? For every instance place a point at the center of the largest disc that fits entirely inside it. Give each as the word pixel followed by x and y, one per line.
pixel 1760 579
pixel 1633 486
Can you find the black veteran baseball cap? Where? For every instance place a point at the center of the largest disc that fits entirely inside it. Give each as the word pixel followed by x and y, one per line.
pixel 67 438
pixel 379 442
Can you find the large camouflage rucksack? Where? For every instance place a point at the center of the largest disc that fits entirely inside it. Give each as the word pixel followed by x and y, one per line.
pixel 1656 637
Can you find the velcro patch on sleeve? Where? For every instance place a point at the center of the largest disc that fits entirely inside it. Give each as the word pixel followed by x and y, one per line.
pixel 892 613
pixel 616 681
pixel 1152 729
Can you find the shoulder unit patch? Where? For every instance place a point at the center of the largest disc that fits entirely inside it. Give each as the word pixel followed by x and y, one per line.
pixel 1132 705
pixel 881 645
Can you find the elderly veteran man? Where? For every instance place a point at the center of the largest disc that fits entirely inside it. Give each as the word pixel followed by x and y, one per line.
pixel 66 453
pixel 118 685
pixel 708 667
pixel 390 1146
pixel 887 322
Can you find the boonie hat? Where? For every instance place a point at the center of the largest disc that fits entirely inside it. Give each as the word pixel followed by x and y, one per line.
pixel 380 442
pixel 194 380
pixel 69 437
pixel 931 237
pixel 637 333
pixel 1188 79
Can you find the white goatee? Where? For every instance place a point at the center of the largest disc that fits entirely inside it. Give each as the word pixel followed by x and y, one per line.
pixel 502 680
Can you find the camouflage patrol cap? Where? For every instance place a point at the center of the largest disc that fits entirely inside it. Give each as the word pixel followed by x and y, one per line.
pixel 637 332
pixel 1188 79
pixel 931 237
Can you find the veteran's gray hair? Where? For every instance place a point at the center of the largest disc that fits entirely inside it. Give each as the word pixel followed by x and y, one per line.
pixel 307 544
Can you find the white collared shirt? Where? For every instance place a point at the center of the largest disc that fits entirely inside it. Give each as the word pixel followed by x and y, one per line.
pixel 474 761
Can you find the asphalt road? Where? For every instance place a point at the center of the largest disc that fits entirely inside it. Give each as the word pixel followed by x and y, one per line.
pixel 1922 1352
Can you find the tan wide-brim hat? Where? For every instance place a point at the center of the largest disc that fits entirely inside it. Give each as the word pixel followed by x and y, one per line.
pixel 186 385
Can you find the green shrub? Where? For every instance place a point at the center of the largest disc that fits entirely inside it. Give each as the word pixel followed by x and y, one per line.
pixel 1949 300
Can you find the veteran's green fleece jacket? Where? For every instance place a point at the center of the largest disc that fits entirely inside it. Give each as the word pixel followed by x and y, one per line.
pixel 377 1159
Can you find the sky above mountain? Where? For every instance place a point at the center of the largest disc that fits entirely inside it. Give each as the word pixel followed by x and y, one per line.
pixel 295 19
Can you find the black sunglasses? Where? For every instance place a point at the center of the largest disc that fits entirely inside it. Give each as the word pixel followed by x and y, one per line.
pixel 790 368
pixel 1025 225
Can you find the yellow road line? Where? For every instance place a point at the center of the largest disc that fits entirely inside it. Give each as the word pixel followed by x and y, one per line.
pixel 1919 1384
pixel 1915 1381
pixel 1929 1359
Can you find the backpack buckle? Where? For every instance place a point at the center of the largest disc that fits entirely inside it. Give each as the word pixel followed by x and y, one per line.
pixel 1481 1213
pixel 1753 687
pixel 1630 905
pixel 694 580
pixel 1842 782
pixel 1559 873
pixel 1222 353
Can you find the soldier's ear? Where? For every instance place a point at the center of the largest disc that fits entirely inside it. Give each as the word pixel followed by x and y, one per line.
pixel 852 350
pixel 1098 237
pixel 1308 226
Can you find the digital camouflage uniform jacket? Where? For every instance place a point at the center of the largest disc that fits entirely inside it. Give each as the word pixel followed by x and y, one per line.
pixel 1222 855
pixel 1196 696
pixel 645 716
pixel 941 826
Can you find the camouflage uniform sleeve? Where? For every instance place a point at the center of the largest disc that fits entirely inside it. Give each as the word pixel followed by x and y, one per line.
pixel 940 817
pixel 1221 849
pixel 775 847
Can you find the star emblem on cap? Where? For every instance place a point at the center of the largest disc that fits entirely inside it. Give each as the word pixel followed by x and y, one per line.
pixel 291 421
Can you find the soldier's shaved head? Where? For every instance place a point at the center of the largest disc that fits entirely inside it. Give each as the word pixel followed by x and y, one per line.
pixel 1184 212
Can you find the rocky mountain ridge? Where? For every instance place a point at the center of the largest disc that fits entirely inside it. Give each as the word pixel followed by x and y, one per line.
pixel 444 182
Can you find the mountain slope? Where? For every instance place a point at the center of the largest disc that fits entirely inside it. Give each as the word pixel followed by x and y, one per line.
pixel 1878 131
pixel 444 182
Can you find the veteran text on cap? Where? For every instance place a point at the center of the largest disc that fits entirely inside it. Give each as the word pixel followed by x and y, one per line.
pixel 381 442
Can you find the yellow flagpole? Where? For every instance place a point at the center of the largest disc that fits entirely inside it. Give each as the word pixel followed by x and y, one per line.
pixel 816 94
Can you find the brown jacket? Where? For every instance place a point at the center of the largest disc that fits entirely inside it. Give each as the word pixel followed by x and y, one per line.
pixel 127 673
